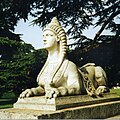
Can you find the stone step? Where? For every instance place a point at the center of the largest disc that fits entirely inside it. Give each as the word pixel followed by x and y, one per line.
pixel 94 111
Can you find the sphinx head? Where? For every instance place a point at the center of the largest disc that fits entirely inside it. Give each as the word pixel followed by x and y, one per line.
pixel 54 37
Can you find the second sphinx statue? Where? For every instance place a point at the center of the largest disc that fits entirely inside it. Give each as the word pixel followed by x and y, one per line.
pixel 61 77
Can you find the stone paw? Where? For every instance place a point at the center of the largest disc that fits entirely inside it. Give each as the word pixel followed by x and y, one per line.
pixel 102 89
pixel 26 93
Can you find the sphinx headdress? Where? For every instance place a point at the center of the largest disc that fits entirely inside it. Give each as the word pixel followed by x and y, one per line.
pixel 56 27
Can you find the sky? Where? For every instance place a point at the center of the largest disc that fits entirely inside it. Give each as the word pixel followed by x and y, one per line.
pixel 33 34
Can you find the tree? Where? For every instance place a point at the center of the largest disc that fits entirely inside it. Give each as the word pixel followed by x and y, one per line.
pixel 104 54
pixel 12 11
pixel 77 15
pixel 19 69
pixel 18 60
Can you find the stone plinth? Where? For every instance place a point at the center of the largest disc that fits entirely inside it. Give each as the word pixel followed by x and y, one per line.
pixel 41 103
pixel 72 108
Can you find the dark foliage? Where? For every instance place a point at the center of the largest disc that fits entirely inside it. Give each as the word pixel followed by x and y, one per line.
pixel 104 54
pixel 20 65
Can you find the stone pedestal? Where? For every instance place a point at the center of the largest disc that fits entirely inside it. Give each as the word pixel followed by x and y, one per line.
pixel 41 103
pixel 71 107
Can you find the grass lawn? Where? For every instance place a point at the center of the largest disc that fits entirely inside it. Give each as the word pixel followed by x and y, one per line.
pixel 7 103
pixel 7 100
pixel 6 106
pixel 115 91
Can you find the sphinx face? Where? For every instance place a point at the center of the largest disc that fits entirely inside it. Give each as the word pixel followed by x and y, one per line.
pixel 49 39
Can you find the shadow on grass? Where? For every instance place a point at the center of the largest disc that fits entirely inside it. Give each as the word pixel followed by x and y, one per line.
pixel 7 103
pixel 7 100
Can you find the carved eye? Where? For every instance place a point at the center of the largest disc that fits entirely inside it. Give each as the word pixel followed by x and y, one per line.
pixel 51 34
pixel 47 35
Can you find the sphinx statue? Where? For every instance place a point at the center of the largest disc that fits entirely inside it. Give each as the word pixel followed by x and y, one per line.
pixel 61 77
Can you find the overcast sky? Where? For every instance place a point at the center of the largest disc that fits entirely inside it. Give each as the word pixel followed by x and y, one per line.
pixel 33 34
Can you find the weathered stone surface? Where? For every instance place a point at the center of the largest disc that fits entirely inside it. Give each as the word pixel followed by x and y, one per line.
pixel 101 110
pixel 41 103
